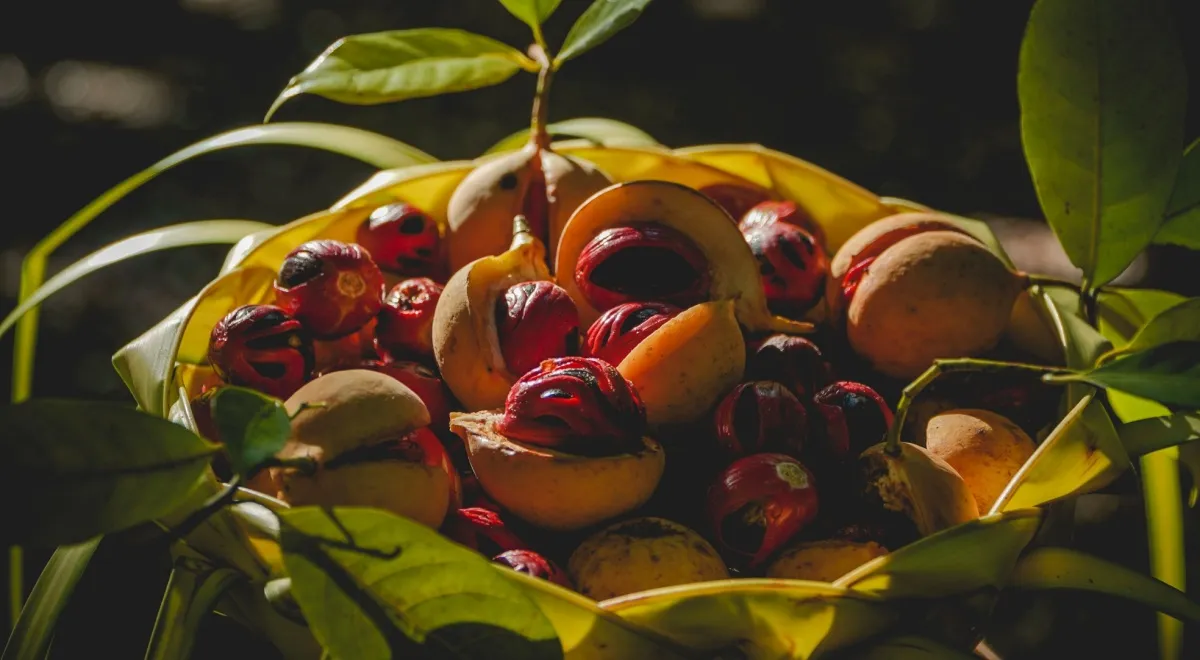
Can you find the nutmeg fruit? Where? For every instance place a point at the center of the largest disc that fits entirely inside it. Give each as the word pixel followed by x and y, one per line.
pixel 913 288
pixel 985 448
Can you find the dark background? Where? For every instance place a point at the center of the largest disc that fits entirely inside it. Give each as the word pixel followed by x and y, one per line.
pixel 913 98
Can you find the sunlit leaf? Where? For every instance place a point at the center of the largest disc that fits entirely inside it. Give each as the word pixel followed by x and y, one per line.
pixel 533 12
pixel 597 24
pixel 1102 89
pixel 1082 454
pixel 1181 224
pixel 427 186
pixel 253 427
pixel 373 585
pixel 1063 568
pixel 31 637
pixel 599 130
pixel 840 206
pixel 1168 373
pixel 1178 323
pixel 1163 502
pixel 384 67
pixel 956 561
pixel 1123 311
pixel 758 618
pixel 74 469
pixel 204 232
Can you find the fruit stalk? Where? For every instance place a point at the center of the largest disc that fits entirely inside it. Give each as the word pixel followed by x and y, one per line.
pixel 939 367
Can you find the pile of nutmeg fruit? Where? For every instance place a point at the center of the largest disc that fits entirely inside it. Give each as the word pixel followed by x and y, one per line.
pixel 666 385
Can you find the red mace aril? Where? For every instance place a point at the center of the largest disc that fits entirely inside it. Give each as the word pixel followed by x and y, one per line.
pixel 481 529
pixel 760 416
pixel 792 264
pixel 852 417
pixel 261 347
pixel 405 327
pixel 620 329
pixel 402 239
pixel 332 287
pixel 581 405
pixel 642 262
pixel 787 212
pixel 759 503
pixel 735 199
pixel 794 361
pixel 535 321
pixel 532 563
pixel 346 350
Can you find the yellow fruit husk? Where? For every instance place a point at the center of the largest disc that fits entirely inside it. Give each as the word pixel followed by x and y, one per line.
pixel 823 561
pixel 683 368
pixel 985 448
pixel 466 345
pixel 919 485
pixel 571 492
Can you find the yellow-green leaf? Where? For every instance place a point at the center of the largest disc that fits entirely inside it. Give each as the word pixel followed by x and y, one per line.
pixel 597 24
pixel 30 639
pixel 1182 221
pixel 1063 568
pixel 1167 373
pixel 375 585
pixel 758 618
pixel 1102 89
pixel 384 67
pixel 74 469
pixel 1180 322
pixel 253 427
pixel 962 559
pixel 532 12
pixel 1082 454
pixel 1123 311
pixel 204 232
pixel 598 130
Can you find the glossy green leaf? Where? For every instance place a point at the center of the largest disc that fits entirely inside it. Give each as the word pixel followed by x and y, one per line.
pixel 1168 373
pixel 599 130
pixel 73 469
pixel 1123 311
pixel 532 12
pixel 253 426
pixel 1179 323
pixel 31 636
pixel 1062 568
pixel 192 591
pixel 1102 90
pixel 204 232
pixel 758 618
pixel 597 24
pixel 375 585
pixel 383 67
pixel 1181 225
pixel 1081 454
pixel 959 560
pixel 1148 435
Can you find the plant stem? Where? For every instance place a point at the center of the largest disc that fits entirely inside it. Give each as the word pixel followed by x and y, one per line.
pixel 538 133
pixel 214 504
pixel 540 39
pixel 1047 280
pixel 913 389
pixel 1088 305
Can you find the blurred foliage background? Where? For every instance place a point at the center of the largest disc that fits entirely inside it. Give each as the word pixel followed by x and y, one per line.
pixel 911 98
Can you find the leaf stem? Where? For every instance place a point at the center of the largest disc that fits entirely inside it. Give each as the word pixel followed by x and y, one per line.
pixel 913 389
pixel 1088 304
pixel 538 133
pixel 540 40
pixel 214 504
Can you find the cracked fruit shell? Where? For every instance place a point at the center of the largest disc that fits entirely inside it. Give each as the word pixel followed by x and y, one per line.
pixel 571 491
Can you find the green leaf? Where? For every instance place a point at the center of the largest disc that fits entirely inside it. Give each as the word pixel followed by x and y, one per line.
pixel 601 131
pixel 1168 373
pixel 375 585
pixel 30 639
pixel 1163 501
pixel 1151 434
pixel 253 426
pixel 601 20
pixel 533 12
pixel 1062 568
pixel 1123 311
pixel 204 232
pixel 1180 322
pixel 74 469
pixel 192 591
pixel 1182 221
pixel 1102 89
pixel 383 67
